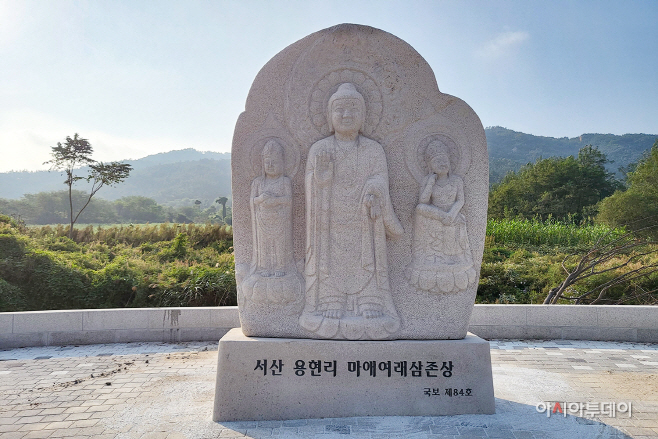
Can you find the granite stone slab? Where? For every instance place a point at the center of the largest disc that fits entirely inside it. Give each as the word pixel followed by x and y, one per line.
pixel 44 321
pixel 277 378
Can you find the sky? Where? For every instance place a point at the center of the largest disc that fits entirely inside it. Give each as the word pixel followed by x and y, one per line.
pixel 140 77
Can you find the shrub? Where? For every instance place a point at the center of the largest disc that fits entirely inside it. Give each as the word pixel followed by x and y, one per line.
pixel 11 298
pixel 203 287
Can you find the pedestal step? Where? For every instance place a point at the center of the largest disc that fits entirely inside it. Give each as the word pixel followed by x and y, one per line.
pixel 283 378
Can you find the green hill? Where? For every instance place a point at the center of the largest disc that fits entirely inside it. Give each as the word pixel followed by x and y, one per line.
pixel 168 183
pixel 509 150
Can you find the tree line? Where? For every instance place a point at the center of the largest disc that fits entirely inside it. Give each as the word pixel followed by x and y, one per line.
pixel 53 208
pixel 580 189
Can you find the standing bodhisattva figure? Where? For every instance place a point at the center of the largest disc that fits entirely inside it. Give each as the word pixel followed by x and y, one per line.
pixel 348 216
pixel 273 276
pixel 271 198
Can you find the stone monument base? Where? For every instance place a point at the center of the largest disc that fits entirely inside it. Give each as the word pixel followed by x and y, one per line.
pixel 284 378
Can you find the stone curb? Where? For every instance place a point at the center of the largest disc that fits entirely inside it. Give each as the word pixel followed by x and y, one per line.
pixel 532 322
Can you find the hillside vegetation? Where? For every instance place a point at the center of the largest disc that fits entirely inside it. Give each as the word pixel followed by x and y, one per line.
pixel 510 150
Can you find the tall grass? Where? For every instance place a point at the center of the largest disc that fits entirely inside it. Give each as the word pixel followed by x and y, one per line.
pixel 550 233
pixel 134 235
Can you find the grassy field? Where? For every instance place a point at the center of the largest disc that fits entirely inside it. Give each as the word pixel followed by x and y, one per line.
pixel 200 235
pixel 192 265
pixel 108 267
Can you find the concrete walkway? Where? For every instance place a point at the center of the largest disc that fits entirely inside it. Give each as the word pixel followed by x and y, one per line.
pixel 165 391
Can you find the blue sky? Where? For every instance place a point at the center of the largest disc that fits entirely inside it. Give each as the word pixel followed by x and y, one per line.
pixel 142 77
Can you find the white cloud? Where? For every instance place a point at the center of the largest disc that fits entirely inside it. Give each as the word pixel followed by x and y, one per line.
pixel 502 45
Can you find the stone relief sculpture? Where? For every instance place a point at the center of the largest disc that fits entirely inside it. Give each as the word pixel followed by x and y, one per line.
pixel 371 244
pixel 348 217
pixel 273 275
pixel 367 243
pixel 441 254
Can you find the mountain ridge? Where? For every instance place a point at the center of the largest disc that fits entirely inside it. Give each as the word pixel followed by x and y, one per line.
pixel 509 149
pixel 177 176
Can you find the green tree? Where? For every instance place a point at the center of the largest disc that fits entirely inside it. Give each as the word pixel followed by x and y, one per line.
pixel 76 152
pixel 137 209
pixel 557 187
pixel 222 201
pixel 52 207
pixel 637 207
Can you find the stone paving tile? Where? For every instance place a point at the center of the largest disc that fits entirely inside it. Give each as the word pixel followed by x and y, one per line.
pixel 37 434
pixel 163 390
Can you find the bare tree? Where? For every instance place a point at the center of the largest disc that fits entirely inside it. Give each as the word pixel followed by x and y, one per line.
pixel 608 255
pixel 75 153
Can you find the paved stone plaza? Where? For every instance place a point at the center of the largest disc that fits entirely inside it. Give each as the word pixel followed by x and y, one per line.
pixel 156 390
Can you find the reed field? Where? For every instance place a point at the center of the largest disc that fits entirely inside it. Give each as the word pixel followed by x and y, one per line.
pixel 136 234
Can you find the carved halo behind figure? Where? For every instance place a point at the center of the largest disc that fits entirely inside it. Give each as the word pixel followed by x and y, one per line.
pixel 459 157
pixel 328 85
pixel 291 155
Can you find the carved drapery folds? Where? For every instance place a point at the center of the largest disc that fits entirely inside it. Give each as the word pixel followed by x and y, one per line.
pixel 348 216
